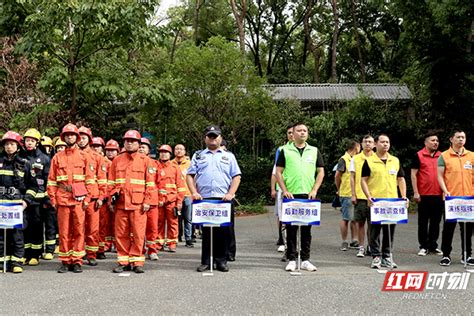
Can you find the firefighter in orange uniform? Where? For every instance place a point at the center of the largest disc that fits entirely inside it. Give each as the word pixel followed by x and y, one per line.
pixel 98 194
pixel 131 189
pixel 98 145
pixel 171 189
pixel 112 150
pixel 69 191
pixel 151 233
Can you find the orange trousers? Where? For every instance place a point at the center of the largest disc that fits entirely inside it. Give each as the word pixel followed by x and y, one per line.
pixel 130 229
pixel 167 219
pixel 71 233
pixel 104 219
pixel 92 230
pixel 110 234
pixel 152 229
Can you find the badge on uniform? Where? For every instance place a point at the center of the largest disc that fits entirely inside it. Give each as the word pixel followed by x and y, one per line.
pixel 151 170
pixel 104 168
pixel 38 160
pixel 468 165
pixel 91 166
pixel 163 172
pixel 33 173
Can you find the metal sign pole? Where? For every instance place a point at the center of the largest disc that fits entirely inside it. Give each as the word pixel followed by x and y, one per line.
pixel 5 250
pixel 211 252
pixel 298 248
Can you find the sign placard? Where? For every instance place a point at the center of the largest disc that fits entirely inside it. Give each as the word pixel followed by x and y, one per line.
pixel 11 215
pixel 389 211
pixel 301 211
pixel 459 208
pixel 212 212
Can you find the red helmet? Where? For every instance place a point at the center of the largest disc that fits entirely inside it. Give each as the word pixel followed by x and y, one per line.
pixel 166 148
pixel 112 145
pixel 87 131
pixel 71 129
pixel 14 136
pixel 132 134
pixel 98 141
pixel 145 141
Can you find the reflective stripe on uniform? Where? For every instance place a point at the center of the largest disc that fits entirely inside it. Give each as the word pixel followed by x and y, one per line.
pixel 137 181
pixel 170 185
pixel 52 184
pixel 11 201
pixel 78 253
pixel 103 181
pixel 163 191
pixel 110 182
pixel 137 259
pixel 39 195
pixel 31 192
pixel 33 246
pixel 7 258
pixel 120 180
pixel 62 178
pixel 90 181
pixel 122 258
pixel 6 172
pixel 150 184
pixel 21 174
pixel 78 177
pixel 181 189
pixel 50 242
pixel 27 246
pixel 16 259
pixel 92 248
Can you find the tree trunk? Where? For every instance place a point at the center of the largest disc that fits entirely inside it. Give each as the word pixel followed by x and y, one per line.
pixel 356 34
pixel 240 20
pixel 335 32
pixel 197 9
pixel 312 48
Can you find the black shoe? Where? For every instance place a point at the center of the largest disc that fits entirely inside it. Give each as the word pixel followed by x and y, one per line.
pixel 280 242
pixel 101 256
pixel 76 268
pixel 120 268
pixel 92 262
pixel 193 240
pixel 138 269
pixel 189 244
pixel 180 239
pixel 230 258
pixel 222 267
pixel 64 268
pixel 202 268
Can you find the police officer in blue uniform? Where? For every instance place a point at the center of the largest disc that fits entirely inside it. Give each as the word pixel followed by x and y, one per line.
pixel 214 174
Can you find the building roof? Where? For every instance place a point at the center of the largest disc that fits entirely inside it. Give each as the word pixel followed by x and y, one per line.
pixel 339 92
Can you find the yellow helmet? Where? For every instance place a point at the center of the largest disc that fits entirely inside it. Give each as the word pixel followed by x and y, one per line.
pixel 59 142
pixel 33 133
pixel 46 141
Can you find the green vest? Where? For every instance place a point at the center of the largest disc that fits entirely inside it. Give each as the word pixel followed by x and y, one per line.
pixel 300 169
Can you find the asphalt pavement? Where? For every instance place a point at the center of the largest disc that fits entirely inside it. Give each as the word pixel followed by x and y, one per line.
pixel 255 284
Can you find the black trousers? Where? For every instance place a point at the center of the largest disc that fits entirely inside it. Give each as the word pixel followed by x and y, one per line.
pixel 291 238
pixel 430 212
pixel 448 234
pixel 222 242
pixel 33 233
pixel 15 250
pixel 50 222
pixel 386 242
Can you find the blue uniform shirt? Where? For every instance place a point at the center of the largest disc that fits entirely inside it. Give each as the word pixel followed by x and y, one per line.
pixel 213 172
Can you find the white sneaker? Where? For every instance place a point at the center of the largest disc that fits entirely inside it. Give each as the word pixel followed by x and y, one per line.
pixel 422 252
pixel 361 252
pixel 291 266
pixel 281 248
pixel 306 265
pixel 437 252
pixel 153 257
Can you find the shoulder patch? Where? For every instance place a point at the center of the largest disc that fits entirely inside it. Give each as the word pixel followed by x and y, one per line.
pixel 151 170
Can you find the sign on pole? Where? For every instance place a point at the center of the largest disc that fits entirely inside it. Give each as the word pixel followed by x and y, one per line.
pixel 388 210
pixel 459 208
pixel 301 211
pixel 11 215
pixel 212 212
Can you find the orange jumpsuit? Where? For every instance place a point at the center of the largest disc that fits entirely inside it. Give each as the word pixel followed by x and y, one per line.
pixel 99 191
pixel 152 219
pixel 132 176
pixel 171 188
pixel 69 167
pixel 105 219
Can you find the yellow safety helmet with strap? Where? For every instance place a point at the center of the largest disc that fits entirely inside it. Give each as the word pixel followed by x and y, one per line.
pixel 59 142
pixel 46 141
pixel 33 133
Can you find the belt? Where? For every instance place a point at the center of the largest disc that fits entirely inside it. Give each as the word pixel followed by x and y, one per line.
pixel 9 191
